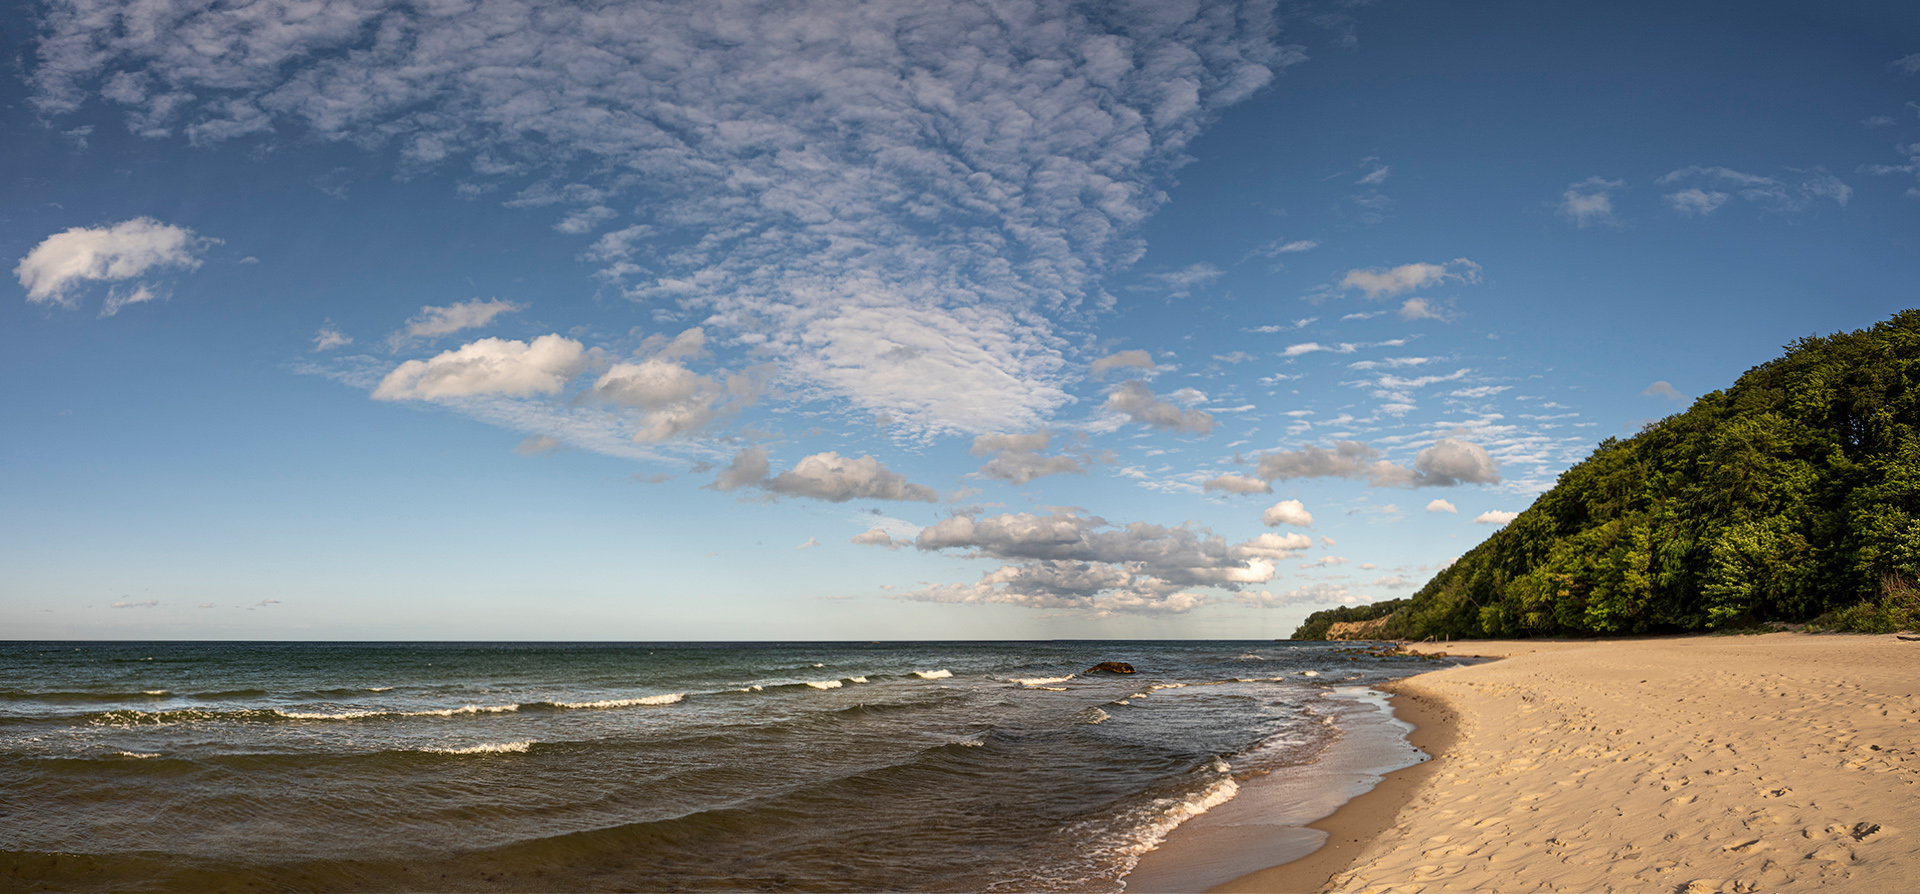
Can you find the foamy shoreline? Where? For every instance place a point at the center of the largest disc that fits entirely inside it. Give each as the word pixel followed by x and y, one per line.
pixel 1697 764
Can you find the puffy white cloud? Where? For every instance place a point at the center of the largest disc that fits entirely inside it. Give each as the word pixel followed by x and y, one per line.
pixel 1495 517
pixel 1274 546
pixel 1446 463
pixel 1393 582
pixel 1664 388
pixel 114 254
pixel 490 366
pixel 1438 505
pixel 1131 359
pixel 1377 283
pixel 433 322
pixel 879 537
pixel 1450 462
pixel 1421 309
pixel 1016 458
pixel 1591 201
pixel 1065 560
pixel 1347 459
pixel 1287 512
pixel 822 476
pixel 1238 484
pixel 1133 398
pixel 810 544
pixel 846 182
pixel 1906 64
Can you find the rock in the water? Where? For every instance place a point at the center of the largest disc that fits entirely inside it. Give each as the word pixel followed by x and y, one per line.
pixel 1112 667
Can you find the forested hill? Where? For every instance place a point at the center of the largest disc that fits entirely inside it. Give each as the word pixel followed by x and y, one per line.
pixel 1793 494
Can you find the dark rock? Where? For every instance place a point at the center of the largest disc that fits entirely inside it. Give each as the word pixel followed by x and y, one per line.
pixel 1111 667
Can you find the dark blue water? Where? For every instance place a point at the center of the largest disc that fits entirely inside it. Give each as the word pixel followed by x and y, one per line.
pixel 662 766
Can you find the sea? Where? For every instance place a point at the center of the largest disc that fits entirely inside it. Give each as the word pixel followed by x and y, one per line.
pixel 898 766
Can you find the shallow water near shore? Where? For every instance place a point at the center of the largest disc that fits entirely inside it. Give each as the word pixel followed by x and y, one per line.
pixel 663 766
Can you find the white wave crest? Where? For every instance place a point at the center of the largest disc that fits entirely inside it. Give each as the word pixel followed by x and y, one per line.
pixel 463 709
pixel 934 674
pixel 1309 673
pixel 1166 814
pixel 155 692
pixel 136 754
pixel 1095 715
pixel 1159 686
pixel 857 679
pixel 1040 681
pixel 322 715
pixel 500 748
pixel 754 688
pixel 1051 688
pixel 379 689
pixel 667 699
pixel 825 684
pixel 1249 657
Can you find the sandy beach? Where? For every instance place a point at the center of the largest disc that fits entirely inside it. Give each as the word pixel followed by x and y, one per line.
pixel 1783 762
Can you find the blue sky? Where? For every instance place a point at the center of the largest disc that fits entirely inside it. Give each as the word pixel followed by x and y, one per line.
pixel 517 320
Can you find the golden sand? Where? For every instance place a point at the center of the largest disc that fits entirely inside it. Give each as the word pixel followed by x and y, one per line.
pixel 1784 762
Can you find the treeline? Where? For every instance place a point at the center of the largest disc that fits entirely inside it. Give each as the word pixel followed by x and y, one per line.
pixel 1318 623
pixel 1792 496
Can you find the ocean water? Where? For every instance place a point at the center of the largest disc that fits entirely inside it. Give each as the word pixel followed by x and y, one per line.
pixel 637 766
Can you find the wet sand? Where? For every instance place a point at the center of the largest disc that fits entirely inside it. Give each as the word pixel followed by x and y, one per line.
pixel 1783 762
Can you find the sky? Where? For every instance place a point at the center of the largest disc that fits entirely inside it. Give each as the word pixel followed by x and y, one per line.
pixel 514 320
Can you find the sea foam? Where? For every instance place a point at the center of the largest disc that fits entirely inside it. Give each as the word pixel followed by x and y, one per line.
pixel 824 684
pixel 1040 681
pixel 933 674
pixel 667 699
pixel 500 748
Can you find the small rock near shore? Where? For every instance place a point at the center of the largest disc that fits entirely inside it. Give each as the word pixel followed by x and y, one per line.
pixel 1111 667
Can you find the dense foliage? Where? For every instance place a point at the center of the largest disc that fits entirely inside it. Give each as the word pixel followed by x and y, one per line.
pixel 1793 495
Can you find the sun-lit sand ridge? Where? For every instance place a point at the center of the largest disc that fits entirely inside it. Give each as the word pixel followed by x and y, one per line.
pixel 1781 762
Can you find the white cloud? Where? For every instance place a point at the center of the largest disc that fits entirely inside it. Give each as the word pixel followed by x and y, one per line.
pixel 329 338
pixel 1287 512
pixel 1664 388
pixel 1441 506
pixel 1315 594
pixel 151 603
pixel 1377 283
pixel 1770 193
pixel 1421 309
pixel 877 536
pixel 1495 517
pixel 1181 283
pixel 1016 458
pixel 1280 247
pixel 1070 561
pixel 433 322
pixel 1591 201
pixel 1907 64
pixel 839 180
pixel 1393 582
pixel 1448 462
pixel 490 366
pixel 1274 546
pixel 1131 359
pixel 1137 401
pixel 1237 484
pixel 822 476
pixel 1694 201
pixel 674 400
pixel 114 254
pixel 584 220
pixel 810 544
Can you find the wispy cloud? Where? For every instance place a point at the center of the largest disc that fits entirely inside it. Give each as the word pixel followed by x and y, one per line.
pixel 829 182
